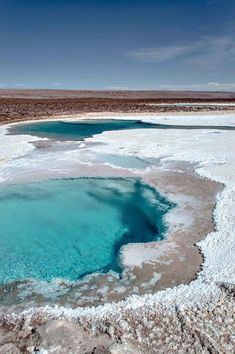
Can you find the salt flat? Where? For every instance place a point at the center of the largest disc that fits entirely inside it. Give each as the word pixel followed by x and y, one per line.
pixel 211 152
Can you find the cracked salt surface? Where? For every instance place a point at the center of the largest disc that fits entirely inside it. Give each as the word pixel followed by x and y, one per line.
pixel 215 155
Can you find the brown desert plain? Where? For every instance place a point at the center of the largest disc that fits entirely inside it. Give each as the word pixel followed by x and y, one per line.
pixel 20 105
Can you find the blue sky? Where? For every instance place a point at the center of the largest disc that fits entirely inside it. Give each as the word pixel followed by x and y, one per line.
pixel 126 44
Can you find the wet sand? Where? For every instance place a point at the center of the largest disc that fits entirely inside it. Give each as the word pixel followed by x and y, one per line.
pixel 179 258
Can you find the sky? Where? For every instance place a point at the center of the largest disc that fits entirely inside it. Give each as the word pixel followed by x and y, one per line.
pixel 118 44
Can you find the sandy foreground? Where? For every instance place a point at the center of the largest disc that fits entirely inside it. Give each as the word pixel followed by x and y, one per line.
pixel 196 170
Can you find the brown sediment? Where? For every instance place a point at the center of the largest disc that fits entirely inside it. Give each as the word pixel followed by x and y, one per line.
pixel 21 105
pixel 163 95
pixel 180 259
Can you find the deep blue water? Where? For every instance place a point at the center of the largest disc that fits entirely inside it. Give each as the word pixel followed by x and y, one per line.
pixel 70 227
pixel 76 130
pixel 87 128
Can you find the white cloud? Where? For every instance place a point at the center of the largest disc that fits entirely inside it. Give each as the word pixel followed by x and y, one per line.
pixel 118 88
pixel 12 85
pixel 19 85
pixel 209 86
pixel 56 84
pixel 221 85
pixel 160 54
pixel 207 50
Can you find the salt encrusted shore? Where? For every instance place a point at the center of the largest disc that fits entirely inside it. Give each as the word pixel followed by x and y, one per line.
pixel 146 267
pixel 187 317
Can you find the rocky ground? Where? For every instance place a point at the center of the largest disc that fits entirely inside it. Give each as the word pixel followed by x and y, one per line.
pixel 123 94
pixel 19 105
pixel 149 330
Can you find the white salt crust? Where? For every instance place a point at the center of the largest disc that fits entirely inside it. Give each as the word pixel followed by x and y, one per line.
pixel 214 151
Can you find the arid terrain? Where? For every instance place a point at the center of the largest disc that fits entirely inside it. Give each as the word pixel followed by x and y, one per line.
pixel 122 94
pixel 19 105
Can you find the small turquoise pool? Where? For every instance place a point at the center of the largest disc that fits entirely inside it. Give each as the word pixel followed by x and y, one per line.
pixel 79 130
pixel 71 227
pixel 62 130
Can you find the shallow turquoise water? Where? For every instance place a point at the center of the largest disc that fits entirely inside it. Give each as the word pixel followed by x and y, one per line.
pixel 76 130
pixel 125 161
pixel 84 129
pixel 68 228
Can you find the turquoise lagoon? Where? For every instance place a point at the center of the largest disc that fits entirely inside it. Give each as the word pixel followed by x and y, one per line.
pixel 65 130
pixel 62 130
pixel 71 227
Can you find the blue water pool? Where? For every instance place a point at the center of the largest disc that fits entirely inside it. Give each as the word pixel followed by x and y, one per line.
pixel 70 227
pixel 80 130
pixel 76 130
